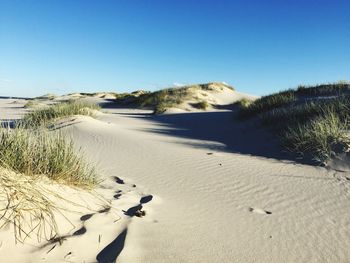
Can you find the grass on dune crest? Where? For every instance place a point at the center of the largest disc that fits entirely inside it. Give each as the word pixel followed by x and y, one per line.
pixel 36 152
pixel 266 103
pixel 311 121
pixel 164 99
pixel 44 116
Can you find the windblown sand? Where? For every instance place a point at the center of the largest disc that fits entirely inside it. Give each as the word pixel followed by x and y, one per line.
pixel 219 194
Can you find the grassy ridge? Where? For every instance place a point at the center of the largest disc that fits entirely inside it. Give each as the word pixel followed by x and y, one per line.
pixel 311 121
pixel 44 116
pixel 163 99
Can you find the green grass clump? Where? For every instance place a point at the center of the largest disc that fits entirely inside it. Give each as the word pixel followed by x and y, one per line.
pixel 267 103
pixel 319 137
pixel 44 116
pixel 36 152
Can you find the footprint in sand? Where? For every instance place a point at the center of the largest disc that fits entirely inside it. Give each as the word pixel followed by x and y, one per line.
pixel 118 180
pixel 80 231
pixel 259 211
pixel 146 199
pixel 86 217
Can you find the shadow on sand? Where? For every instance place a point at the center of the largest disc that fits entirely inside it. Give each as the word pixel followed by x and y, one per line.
pixel 219 130
pixel 111 252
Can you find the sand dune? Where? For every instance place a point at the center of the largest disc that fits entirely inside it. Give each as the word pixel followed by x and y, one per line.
pixel 213 190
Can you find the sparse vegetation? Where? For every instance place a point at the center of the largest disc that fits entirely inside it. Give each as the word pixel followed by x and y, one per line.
pixel 44 116
pixel 26 207
pixel 243 103
pixel 311 121
pixel 202 105
pixel 30 104
pixel 164 99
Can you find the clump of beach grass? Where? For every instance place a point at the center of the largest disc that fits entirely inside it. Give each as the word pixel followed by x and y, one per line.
pixel 25 206
pixel 45 116
pixel 320 138
pixel 39 152
pixel 28 158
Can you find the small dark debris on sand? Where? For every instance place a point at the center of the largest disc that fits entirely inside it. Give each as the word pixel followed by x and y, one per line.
pixel 135 211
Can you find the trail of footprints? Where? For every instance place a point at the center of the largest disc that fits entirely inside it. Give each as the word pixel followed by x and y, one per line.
pixel 131 212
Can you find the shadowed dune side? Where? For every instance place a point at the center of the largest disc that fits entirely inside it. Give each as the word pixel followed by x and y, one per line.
pixel 221 127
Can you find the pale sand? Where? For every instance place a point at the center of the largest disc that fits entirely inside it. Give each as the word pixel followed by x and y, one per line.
pixel 220 194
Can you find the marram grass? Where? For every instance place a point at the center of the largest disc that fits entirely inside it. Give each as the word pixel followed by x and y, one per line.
pixel 44 116
pixel 311 121
pixel 39 152
pixel 24 205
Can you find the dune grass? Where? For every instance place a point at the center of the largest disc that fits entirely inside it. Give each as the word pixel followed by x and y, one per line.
pixel 27 157
pixel 36 152
pixel 164 99
pixel 202 105
pixel 322 137
pixel 266 103
pixel 311 121
pixel 25 206
pixel 30 104
pixel 44 116
pixel 339 88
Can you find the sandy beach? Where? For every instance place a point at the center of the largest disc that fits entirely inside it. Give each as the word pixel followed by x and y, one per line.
pixel 213 190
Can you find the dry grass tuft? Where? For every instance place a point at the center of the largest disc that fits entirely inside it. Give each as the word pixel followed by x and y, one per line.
pixel 26 207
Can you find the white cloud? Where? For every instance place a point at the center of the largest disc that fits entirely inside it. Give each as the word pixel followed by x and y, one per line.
pixel 176 84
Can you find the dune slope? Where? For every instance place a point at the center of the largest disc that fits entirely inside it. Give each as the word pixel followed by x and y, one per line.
pixel 215 205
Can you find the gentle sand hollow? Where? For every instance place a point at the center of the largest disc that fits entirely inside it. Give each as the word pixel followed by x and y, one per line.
pixel 214 190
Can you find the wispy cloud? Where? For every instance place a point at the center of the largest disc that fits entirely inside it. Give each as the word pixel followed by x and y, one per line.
pixel 5 80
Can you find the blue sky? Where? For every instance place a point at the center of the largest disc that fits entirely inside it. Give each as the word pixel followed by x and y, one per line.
pixel 259 46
